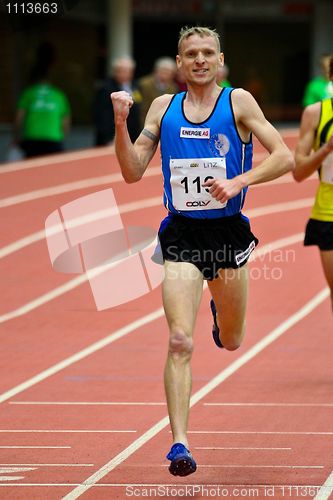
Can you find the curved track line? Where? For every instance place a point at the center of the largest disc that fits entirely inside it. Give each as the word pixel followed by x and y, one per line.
pixel 83 278
pixel 123 331
pixel 153 202
pixel 104 180
pixel 70 186
pixel 99 181
pixel 69 157
pixel 86 153
pixel 326 490
pixel 47 161
pixel 206 389
pixel 96 346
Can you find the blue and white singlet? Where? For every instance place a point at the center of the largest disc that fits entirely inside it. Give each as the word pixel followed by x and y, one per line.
pixel 193 152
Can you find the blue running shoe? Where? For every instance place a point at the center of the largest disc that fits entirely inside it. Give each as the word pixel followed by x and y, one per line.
pixel 215 329
pixel 182 462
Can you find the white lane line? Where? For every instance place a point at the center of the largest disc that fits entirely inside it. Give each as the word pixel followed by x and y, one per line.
pixel 148 403
pixel 326 489
pixel 240 448
pixel 102 180
pixel 70 186
pixel 79 280
pixel 8 470
pixel 69 157
pixel 35 447
pixel 49 161
pixel 119 333
pixel 246 466
pixel 44 299
pixel 86 403
pixel 10 478
pixel 280 433
pixel 201 393
pixel 153 202
pixel 292 405
pixel 69 431
pixel 279 207
pixel 40 235
pixel 285 489
pixel 96 346
pixel 45 465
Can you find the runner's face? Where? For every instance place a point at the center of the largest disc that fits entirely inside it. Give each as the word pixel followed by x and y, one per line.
pixel 199 59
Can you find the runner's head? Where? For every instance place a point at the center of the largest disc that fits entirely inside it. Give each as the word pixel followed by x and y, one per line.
pixel 202 31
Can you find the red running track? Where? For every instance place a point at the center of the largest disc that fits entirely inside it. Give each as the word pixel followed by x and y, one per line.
pixel 83 411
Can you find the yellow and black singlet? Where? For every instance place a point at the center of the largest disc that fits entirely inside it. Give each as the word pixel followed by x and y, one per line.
pixel 323 207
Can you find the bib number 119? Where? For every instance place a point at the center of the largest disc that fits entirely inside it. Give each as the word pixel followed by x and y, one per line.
pixel 196 182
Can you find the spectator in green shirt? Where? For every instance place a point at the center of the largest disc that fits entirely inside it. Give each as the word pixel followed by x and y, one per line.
pixel 43 111
pixel 320 87
pixel 222 76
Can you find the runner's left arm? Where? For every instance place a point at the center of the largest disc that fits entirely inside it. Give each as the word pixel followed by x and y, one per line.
pixel 250 119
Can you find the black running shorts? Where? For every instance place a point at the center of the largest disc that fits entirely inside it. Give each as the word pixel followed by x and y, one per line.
pixel 319 233
pixel 209 244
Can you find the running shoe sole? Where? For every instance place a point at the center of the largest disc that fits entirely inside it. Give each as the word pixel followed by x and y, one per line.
pixel 182 466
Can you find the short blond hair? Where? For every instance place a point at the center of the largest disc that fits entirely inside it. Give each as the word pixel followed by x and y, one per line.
pixel 202 31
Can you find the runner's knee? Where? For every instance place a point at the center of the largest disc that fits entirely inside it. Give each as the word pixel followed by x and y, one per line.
pixel 180 344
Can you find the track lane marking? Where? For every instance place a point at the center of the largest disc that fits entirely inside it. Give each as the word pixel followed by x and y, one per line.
pixel 68 187
pixel 324 405
pixel 150 203
pixel 92 348
pixel 201 393
pixel 83 278
pixel 46 465
pixel 277 244
pixel 49 161
pixel 291 433
pixel 239 448
pixel 108 179
pixel 50 431
pixel 35 447
pixel 85 154
pixel 247 466
pixel 326 489
pixel 172 485
pixel 40 235
pixel 88 403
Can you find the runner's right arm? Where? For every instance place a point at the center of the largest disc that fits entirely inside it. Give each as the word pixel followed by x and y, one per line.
pixel 134 158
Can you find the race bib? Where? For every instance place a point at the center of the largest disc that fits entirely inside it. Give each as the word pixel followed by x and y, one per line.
pixel 327 169
pixel 187 177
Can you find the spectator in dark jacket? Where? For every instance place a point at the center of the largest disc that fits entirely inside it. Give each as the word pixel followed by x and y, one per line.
pixel 122 74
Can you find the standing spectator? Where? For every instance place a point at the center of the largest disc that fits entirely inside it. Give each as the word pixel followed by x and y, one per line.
pixel 43 111
pixel 161 81
pixel 180 81
pixel 320 87
pixel 122 78
pixel 222 76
